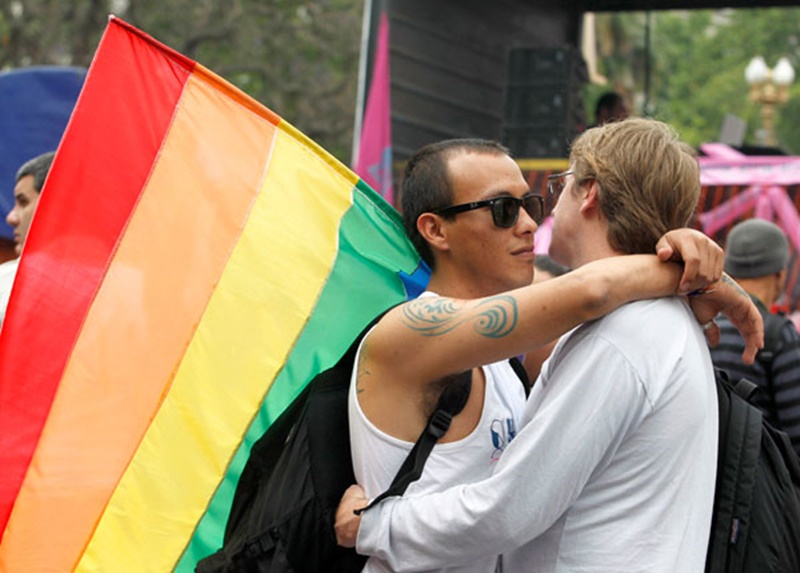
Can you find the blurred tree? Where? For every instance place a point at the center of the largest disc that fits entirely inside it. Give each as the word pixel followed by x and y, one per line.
pixel 698 58
pixel 299 58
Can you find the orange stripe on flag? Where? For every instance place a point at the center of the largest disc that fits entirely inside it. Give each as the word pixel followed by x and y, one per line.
pixel 181 228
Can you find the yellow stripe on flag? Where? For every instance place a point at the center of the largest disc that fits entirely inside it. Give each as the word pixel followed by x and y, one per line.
pixel 267 291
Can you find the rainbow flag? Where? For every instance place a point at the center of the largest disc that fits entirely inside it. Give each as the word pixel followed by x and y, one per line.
pixel 193 262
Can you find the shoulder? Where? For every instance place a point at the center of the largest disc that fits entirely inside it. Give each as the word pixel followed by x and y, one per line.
pixel 648 320
pixel 787 334
pixel 650 336
pixel 780 333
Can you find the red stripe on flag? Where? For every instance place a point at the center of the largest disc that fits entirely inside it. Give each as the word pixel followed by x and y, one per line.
pixel 88 222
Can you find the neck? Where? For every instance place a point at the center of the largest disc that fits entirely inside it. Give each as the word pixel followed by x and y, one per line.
pixel 445 286
pixel 761 288
pixel 595 248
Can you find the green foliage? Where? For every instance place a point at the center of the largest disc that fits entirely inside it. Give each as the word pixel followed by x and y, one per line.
pixel 698 58
pixel 299 58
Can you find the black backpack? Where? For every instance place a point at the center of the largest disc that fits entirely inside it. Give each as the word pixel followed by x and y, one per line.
pixel 755 526
pixel 284 508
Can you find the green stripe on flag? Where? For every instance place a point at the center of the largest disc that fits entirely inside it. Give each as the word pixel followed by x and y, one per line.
pixel 364 280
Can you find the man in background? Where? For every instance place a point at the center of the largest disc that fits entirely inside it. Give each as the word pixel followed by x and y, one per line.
pixel 756 255
pixel 611 106
pixel 30 180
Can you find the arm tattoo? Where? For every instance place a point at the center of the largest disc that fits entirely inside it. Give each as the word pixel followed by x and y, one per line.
pixel 494 318
pixel 739 290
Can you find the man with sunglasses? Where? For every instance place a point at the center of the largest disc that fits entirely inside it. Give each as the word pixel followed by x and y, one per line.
pixel 471 215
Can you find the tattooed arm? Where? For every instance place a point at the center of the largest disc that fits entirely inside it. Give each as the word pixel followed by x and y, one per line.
pixel 426 339
pixel 429 338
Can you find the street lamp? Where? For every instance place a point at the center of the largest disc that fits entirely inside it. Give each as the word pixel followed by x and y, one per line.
pixel 769 87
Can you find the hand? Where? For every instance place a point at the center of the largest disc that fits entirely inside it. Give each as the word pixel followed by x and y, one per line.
pixel 702 258
pixel 728 297
pixel 347 521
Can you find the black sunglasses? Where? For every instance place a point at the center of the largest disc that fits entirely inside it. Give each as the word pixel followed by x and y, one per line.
pixel 505 210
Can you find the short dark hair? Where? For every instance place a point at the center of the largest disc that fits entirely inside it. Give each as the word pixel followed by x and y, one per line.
pixel 607 101
pixel 39 166
pixel 426 184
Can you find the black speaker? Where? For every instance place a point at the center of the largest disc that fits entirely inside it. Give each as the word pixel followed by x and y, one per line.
pixel 543 108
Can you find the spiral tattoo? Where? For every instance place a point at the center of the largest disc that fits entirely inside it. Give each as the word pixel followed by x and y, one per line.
pixel 494 317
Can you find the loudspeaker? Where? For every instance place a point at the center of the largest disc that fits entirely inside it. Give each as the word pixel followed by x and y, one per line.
pixel 543 109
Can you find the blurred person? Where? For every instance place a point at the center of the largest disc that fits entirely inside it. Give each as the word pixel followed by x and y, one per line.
pixel 600 423
pixel 757 255
pixel 610 106
pixel 29 183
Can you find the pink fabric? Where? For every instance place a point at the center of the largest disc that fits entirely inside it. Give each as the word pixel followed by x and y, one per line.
pixel 726 166
pixel 770 203
pixel 374 161
pixel 795 318
pixel 541 243
pixel 721 151
pixel 767 177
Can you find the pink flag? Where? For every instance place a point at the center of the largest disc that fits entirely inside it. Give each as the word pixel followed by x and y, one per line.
pixel 374 160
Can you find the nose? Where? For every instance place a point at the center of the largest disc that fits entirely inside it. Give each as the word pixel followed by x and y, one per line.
pixel 11 218
pixel 525 222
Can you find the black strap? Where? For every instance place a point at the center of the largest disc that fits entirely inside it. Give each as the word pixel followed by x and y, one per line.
pixel 452 400
pixel 745 388
pixel 773 345
pixel 522 374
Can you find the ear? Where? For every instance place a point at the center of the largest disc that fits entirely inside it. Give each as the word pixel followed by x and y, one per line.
pixel 781 279
pixel 591 200
pixel 433 231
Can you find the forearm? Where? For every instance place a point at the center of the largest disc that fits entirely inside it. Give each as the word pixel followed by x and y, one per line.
pixel 548 310
pixel 447 335
pixel 727 297
pixel 415 540
pixel 614 281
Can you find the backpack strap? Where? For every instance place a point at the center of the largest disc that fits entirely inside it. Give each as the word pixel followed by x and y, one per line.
pixel 522 374
pixel 453 399
pixel 773 341
pixel 773 345
pixel 745 388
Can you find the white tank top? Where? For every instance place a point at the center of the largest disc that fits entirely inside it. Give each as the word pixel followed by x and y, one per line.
pixel 377 456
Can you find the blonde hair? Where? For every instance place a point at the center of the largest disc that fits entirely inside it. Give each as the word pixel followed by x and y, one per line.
pixel 648 180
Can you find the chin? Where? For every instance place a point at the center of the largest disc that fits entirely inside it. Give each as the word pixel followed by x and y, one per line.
pixel 527 280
